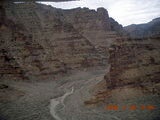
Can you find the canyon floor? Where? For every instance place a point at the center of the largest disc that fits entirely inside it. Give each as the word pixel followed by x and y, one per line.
pixel 63 99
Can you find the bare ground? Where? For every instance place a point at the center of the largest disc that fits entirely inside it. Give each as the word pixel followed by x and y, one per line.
pixel 32 100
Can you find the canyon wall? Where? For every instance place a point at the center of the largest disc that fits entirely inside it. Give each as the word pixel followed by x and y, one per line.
pixel 39 41
pixel 96 26
pixel 134 63
pixel 135 60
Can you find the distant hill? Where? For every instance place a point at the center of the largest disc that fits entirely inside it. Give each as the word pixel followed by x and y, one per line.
pixel 144 30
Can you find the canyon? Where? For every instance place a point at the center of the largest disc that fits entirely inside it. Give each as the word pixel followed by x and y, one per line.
pixel 60 64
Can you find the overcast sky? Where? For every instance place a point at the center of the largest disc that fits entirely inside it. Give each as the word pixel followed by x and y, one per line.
pixel 124 11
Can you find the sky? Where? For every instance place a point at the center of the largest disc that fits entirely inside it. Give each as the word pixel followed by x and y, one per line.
pixel 126 12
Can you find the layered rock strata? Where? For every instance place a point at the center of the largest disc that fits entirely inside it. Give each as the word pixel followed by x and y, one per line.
pixel 135 62
pixel 134 71
pixel 96 26
pixel 40 41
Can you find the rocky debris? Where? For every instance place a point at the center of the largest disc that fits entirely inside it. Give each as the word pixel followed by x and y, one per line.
pixel 149 29
pixel 8 93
